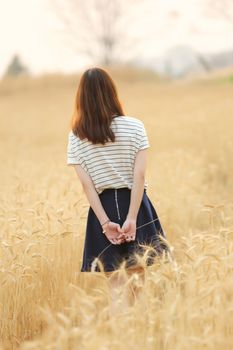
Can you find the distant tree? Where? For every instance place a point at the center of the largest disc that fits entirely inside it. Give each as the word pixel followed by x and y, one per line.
pixel 15 67
pixel 101 29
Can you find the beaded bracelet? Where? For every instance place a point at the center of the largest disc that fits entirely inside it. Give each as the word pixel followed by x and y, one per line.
pixel 103 225
pixel 105 222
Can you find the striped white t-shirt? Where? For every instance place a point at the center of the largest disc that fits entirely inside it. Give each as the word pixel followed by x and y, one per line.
pixel 110 165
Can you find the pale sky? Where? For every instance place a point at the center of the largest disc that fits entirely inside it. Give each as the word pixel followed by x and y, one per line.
pixel 31 29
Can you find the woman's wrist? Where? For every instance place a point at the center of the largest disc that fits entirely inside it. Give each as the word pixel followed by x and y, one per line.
pixel 104 222
pixel 105 225
pixel 103 218
pixel 131 217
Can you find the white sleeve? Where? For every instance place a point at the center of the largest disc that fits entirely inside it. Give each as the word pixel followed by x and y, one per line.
pixel 72 150
pixel 142 138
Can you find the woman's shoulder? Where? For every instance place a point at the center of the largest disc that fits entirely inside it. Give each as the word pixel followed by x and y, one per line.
pixel 131 120
pixel 72 135
pixel 73 138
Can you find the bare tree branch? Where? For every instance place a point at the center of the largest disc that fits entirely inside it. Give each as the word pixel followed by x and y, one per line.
pixel 100 29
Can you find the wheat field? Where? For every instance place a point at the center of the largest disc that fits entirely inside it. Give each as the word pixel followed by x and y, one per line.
pixel 45 302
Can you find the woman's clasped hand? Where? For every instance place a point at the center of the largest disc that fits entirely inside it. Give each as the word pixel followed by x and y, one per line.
pixel 118 235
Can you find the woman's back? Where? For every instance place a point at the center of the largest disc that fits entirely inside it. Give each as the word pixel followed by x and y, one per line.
pixel 110 165
pixel 104 146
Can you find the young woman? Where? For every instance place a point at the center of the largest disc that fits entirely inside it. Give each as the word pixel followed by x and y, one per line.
pixel 108 150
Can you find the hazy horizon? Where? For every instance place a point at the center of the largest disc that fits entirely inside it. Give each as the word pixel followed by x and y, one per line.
pixel 31 30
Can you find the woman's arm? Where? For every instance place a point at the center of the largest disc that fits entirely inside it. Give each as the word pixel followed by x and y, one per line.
pixel 129 226
pixel 91 194
pixel 138 184
pixel 111 228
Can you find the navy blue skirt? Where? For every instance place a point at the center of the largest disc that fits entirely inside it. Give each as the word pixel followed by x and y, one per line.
pixel 116 205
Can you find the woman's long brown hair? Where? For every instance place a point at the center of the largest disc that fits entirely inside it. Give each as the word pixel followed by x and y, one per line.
pixel 95 105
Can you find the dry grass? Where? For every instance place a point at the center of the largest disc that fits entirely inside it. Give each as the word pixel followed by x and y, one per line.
pixel 45 302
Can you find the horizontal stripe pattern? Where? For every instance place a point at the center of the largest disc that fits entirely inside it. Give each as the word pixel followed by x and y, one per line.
pixel 110 165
